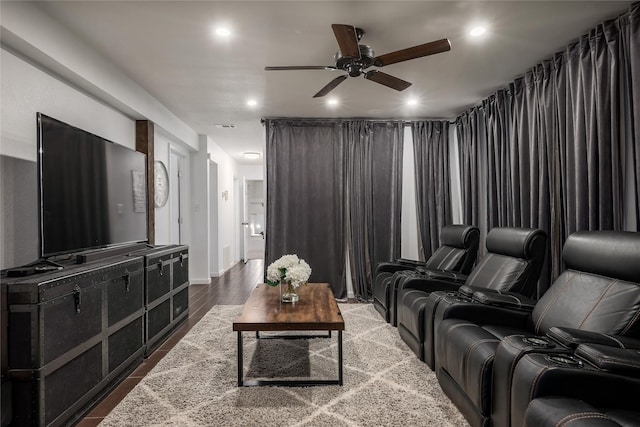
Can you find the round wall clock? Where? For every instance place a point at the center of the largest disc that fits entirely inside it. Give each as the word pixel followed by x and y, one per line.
pixel 161 193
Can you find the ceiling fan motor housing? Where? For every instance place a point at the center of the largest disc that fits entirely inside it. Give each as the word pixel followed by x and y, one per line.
pixel 355 66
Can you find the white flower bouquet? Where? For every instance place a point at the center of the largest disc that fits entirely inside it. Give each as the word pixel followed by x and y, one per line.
pixel 289 268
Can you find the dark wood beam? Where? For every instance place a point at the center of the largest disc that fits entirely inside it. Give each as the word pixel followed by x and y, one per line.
pixel 145 144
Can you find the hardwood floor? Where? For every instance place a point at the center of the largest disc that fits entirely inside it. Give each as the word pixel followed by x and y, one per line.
pixel 232 288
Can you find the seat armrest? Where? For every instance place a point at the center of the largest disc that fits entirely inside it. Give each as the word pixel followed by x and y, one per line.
pixel 508 300
pixel 392 267
pixel 572 338
pixel 409 262
pixel 611 359
pixel 482 314
pixel 468 291
pixel 429 285
pixel 449 276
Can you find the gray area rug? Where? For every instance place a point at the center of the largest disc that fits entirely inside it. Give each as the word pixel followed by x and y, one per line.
pixel 195 383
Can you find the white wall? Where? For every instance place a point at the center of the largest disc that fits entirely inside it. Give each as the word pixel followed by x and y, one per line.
pixel 44 67
pixel 27 90
pixel 227 238
pixel 162 215
pixel 454 170
pixel 409 235
pixel 199 213
pixel 32 33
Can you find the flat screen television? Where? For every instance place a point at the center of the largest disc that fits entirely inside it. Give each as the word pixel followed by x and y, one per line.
pixel 92 192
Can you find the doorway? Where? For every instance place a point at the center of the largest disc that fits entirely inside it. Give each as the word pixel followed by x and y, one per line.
pixel 214 265
pixel 254 220
pixel 176 167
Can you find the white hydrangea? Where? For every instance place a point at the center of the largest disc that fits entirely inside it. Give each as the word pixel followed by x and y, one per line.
pixel 277 269
pixel 299 273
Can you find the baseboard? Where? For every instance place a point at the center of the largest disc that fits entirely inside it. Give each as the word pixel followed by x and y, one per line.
pixel 206 281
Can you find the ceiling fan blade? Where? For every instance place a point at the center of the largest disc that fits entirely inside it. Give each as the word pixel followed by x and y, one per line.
pixel 387 80
pixel 331 86
pixel 301 67
pixel 347 40
pixel 419 51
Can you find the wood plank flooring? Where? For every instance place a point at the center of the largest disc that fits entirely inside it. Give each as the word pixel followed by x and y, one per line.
pixel 232 288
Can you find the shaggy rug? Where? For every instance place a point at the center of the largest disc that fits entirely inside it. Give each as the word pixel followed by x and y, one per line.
pixel 195 383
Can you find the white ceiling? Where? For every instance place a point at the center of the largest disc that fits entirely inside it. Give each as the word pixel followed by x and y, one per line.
pixel 169 49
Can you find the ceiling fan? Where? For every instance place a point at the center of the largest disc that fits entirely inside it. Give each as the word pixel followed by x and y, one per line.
pixel 355 59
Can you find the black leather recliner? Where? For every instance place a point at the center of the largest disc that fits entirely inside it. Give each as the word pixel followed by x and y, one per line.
pixel 513 264
pixel 558 411
pixel 456 255
pixel 477 355
pixel 597 383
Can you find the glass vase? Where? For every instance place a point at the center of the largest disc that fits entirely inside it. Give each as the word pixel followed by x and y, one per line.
pixel 288 292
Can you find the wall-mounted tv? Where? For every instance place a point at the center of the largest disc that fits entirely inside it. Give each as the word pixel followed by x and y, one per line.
pixel 92 192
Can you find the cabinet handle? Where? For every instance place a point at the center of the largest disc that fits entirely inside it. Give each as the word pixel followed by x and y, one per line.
pixel 181 260
pixel 76 298
pixel 160 268
pixel 127 282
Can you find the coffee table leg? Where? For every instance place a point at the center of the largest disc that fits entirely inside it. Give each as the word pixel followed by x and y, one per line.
pixel 339 357
pixel 240 368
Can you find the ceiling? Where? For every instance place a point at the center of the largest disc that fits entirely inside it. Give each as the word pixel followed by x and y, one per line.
pixel 169 48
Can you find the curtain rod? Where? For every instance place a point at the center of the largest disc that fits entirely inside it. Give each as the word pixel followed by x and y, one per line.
pixel 405 122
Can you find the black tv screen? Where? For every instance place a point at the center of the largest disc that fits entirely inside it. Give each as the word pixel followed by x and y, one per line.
pixel 92 192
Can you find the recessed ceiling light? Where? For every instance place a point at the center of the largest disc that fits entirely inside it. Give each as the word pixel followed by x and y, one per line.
pixel 223 31
pixel 252 102
pixel 333 102
pixel 478 30
pixel 251 155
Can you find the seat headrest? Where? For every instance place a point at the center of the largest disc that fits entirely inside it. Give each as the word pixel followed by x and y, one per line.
pixel 516 242
pixel 614 254
pixel 460 236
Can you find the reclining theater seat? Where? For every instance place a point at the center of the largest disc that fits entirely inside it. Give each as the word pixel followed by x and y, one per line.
pixel 562 411
pixel 513 264
pixel 598 292
pixel 610 397
pixel 457 254
pixel 596 382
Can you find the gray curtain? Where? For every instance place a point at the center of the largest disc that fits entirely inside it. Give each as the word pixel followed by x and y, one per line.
pixel 471 135
pixel 433 196
pixel 305 197
pixel 629 57
pixel 374 192
pixel 556 141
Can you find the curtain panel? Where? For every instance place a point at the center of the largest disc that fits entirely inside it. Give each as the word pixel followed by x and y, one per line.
pixel 305 197
pixel 374 194
pixel 556 141
pixel 334 189
pixel 433 195
pixel 471 136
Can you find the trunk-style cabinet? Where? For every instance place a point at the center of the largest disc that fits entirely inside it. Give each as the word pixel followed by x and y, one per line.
pixel 166 276
pixel 73 334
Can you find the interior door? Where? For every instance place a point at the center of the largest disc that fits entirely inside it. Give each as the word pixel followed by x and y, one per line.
pixel 255 215
pixel 245 222
pixel 175 196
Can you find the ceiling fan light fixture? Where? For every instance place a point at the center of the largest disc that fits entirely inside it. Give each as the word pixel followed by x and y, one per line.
pixel 412 102
pixel 332 102
pixel 251 155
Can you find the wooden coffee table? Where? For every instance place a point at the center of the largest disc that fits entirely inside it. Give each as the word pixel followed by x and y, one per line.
pixel 317 310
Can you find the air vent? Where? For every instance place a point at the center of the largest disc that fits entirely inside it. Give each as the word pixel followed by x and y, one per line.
pixel 224 126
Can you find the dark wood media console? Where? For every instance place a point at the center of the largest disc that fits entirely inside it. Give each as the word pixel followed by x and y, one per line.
pixel 73 334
